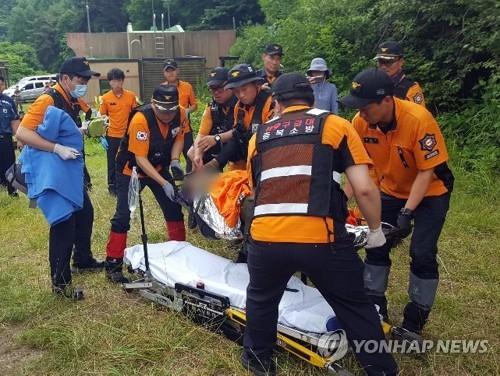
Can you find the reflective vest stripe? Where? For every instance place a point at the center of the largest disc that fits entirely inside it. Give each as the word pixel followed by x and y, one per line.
pixel 285 171
pixel 290 208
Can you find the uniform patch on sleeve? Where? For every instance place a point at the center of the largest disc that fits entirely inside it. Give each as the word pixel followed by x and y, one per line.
pixel 141 136
pixel 175 131
pixel 431 154
pixel 428 142
pixel 418 98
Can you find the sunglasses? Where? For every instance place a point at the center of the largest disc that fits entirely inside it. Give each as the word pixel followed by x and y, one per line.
pixel 215 89
pixel 387 61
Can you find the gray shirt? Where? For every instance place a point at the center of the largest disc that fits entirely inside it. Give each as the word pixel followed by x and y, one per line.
pixel 325 96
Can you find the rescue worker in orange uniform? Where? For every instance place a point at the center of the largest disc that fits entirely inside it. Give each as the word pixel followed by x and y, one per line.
pixel 299 223
pixel 271 60
pixel 187 99
pixel 390 59
pixel 117 104
pixel 66 95
pixel 153 143
pixel 216 127
pixel 253 108
pixel 410 160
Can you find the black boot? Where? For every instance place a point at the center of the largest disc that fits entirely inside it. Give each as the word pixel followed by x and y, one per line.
pixel 114 270
pixel 414 318
pixel 68 292
pixel 92 265
pixel 258 367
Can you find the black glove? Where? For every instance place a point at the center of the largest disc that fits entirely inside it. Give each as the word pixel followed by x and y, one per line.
pixel 176 170
pixel 405 222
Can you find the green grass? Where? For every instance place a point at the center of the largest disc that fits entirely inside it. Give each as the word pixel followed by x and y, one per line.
pixel 111 333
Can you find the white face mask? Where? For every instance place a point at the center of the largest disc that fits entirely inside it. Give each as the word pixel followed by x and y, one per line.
pixel 80 91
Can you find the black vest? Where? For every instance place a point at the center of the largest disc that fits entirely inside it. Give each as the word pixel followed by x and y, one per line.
pixel 222 122
pixel 72 109
pixel 402 87
pixel 159 147
pixel 292 169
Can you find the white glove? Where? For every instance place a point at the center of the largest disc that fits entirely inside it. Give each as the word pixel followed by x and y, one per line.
pixel 85 127
pixel 169 190
pixel 65 152
pixel 375 238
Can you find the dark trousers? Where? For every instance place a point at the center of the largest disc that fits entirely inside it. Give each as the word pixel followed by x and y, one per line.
pixel 120 222
pixel 429 219
pixel 75 231
pixel 188 142
pixel 336 270
pixel 7 158
pixel 114 143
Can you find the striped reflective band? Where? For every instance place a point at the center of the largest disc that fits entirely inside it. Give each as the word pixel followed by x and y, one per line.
pixel 285 171
pixel 281 209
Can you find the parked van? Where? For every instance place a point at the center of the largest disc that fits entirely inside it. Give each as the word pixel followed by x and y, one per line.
pixel 30 87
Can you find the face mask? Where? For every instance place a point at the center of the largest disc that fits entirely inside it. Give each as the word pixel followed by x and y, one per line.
pixel 80 91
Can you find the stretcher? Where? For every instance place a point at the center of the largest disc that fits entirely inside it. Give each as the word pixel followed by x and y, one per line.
pixel 212 291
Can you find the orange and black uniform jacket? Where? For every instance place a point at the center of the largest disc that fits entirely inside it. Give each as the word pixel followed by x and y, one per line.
pixel 140 135
pixel 36 112
pixel 412 143
pixel 346 149
pixel 408 90
pixel 118 109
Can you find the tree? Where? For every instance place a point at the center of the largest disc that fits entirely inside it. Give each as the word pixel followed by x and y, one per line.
pixel 21 58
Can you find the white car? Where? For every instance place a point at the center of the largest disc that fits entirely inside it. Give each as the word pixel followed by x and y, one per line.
pixel 30 87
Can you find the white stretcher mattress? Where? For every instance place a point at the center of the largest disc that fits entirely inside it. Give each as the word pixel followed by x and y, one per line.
pixel 181 262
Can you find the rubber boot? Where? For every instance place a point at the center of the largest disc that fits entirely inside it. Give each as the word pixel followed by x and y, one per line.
pixel 114 260
pixel 114 270
pixel 68 292
pixel 176 230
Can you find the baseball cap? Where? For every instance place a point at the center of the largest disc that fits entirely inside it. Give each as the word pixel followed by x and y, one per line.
pixel 78 66
pixel 242 74
pixel 389 50
pixel 370 85
pixel 165 98
pixel 169 63
pixel 274 49
pixel 292 86
pixel 217 77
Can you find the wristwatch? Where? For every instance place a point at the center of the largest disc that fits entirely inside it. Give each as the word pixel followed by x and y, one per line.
pixel 217 138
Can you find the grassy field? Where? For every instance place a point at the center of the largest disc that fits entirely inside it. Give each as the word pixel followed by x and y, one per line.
pixel 111 333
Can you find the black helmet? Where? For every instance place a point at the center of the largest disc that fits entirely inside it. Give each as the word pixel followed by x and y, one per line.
pixel 242 74
pixel 292 86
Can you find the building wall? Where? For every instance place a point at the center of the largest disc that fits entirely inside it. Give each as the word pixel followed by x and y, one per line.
pixel 136 45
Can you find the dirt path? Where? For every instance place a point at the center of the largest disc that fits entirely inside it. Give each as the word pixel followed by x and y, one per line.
pixel 12 354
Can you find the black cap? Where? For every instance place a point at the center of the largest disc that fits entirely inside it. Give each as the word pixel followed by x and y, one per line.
pixel 78 66
pixel 165 98
pixel 370 85
pixel 292 86
pixel 389 50
pixel 217 77
pixel 274 49
pixel 242 74
pixel 169 63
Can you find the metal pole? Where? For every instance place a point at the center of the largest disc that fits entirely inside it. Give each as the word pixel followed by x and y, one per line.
pixel 88 15
pixel 162 22
pixel 153 13
pixel 168 13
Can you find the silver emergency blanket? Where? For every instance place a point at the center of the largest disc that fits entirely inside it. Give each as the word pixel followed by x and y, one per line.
pixel 208 212
pixel 302 307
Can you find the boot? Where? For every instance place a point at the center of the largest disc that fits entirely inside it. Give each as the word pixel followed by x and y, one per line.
pixel 114 270
pixel 68 292
pixel 414 318
pixel 258 367
pixel 114 250
pixel 176 230
pixel 92 266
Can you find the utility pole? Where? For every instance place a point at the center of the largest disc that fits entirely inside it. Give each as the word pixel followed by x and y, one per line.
pixel 88 15
pixel 168 13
